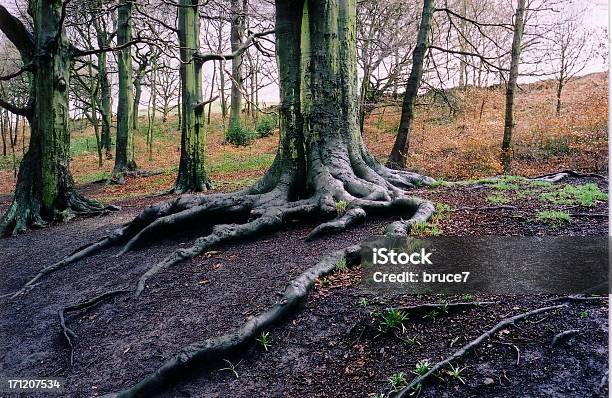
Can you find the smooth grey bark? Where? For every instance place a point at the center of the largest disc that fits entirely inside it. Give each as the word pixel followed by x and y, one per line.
pixel 519 24
pixel 124 146
pixel 237 15
pixel 399 153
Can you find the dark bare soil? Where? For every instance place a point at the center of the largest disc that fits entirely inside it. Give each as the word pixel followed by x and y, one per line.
pixel 330 348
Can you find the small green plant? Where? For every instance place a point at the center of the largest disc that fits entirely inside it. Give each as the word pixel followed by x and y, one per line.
pixel 553 219
pixel 391 320
pixel 231 367
pixel 265 340
pixel 341 207
pixel 554 146
pixel 325 281
pixel 424 228
pixel 364 302
pixel 422 367
pixel 442 211
pixel 379 395
pixel 239 135
pixel 584 314
pixel 341 264
pixel 397 381
pixel 455 372
pixel 467 297
pixel 433 314
pixel 498 199
pixel 411 341
pixel 266 125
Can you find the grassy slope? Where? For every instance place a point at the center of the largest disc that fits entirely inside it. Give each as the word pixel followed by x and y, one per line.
pixel 450 146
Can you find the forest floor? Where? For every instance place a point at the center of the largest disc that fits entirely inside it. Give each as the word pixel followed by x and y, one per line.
pixel 328 348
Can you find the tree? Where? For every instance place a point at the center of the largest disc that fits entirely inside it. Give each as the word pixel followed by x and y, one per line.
pixel 571 49
pixel 519 19
pixel 397 158
pixel 191 174
pixel 322 167
pixel 237 14
pixel 124 146
pixel 45 188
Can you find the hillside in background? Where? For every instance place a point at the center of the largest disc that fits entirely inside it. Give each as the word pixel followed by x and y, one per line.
pixel 455 143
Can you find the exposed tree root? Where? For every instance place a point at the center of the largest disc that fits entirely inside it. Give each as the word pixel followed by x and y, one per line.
pixel 66 331
pixel 558 176
pixel 209 351
pixel 266 207
pixel 25 213
pixel 446 307
pixel 562 337
pixel 578 298
pixel 463 351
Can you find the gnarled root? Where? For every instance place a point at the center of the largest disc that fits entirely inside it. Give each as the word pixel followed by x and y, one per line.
pixel 209 351
pixel 66 331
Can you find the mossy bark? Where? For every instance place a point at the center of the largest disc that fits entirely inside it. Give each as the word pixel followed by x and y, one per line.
pixel 124 146
pixel 191 175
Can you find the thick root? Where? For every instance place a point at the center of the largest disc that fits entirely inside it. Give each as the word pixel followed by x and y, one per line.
pixel 209 351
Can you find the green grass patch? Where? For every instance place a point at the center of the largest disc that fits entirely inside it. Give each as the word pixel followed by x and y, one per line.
pixel 553 218
pixel 583 195
pixel 233 162
pixel 424 228
pixel 498 199
pixel 91 177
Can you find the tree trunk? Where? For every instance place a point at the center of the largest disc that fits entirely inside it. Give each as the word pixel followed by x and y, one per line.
pixel 44 189
pixel 236 34
pixel 3 129
pixel 124 149
pixel 191 174
pixel 511 85
pixel 140 74
pixel 399 153
pixel 106 112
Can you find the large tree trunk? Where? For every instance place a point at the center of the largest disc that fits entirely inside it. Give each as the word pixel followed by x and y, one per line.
pixel 124 153
pixel 191 174
pixel 399 153
pixel 45 189
pixel 322 168
pixel 236 36
pixel 511 85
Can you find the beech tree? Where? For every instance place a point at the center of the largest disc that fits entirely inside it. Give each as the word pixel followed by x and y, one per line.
pixel 124 146
pixel 322 167
pixel 519 20
pixel 45 188
pixel 397 158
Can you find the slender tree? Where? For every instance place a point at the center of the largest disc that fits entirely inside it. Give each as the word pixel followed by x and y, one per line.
pixel 124 146
pixel 237 14
pixel 399 153
pixel 191 174
pixel 519 20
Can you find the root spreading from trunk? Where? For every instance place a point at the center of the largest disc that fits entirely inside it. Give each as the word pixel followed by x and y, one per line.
pixel 61 313
pixel 416 384
pixel 211 351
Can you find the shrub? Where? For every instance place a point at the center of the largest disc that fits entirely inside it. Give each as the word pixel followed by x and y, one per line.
pixel 240 135
pixel 265 125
